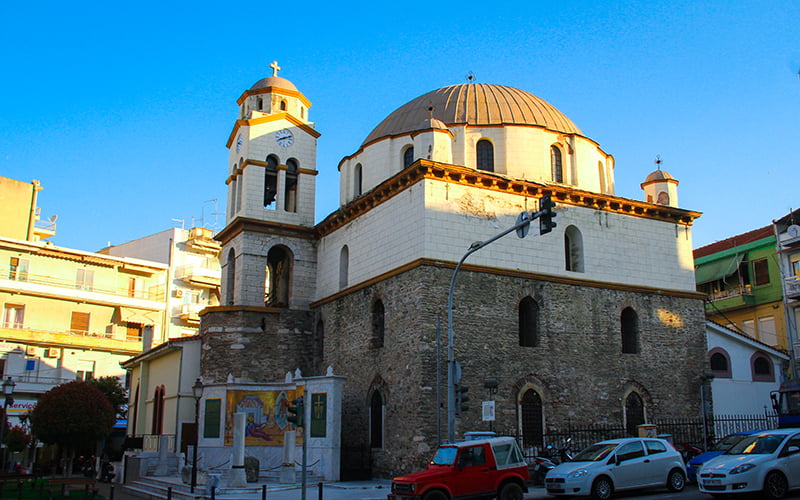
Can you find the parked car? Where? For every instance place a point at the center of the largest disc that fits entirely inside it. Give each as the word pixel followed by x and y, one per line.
pixel 619 464
pixel 492 467
pixel 767 462
pixel 718 449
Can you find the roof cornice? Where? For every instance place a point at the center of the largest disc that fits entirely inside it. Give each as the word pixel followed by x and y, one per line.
pixel 455 174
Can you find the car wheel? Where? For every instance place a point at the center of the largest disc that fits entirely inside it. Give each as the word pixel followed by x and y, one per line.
pixel 510 491
pixel 676 481
pixel 435 495
pixel 602 488
pixel 775 485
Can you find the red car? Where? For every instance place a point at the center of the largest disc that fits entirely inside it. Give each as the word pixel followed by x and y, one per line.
pixel 492 467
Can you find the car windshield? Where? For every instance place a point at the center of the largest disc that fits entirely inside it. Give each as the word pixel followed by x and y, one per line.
pixel 759 444
pixel 727 442
pixel 595 452
pixel 445 455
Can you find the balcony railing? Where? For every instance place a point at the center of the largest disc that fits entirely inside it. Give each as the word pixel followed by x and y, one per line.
pixel 739 291
pixel 792 287
pixel 154 293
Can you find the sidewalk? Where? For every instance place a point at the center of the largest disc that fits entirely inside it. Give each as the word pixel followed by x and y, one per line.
pixel 376 489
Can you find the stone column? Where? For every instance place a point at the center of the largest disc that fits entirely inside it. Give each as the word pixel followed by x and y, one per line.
pixel 238 477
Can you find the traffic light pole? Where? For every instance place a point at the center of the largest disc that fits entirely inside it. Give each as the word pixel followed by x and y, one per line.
pixel 522 224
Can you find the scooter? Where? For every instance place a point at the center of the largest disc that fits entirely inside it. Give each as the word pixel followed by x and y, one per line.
pixel 561 454
pixel 539 469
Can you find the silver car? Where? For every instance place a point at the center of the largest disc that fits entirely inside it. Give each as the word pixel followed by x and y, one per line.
pixel 616 465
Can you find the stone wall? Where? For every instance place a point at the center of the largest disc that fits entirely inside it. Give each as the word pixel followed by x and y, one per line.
pixel 257 344
pixel 577 366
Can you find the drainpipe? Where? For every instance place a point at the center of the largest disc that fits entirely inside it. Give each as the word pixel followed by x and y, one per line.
pixel 32 218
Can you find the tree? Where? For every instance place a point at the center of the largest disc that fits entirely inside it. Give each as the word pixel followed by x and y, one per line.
pixel 72 415
pixel 115 392
pixel 17 439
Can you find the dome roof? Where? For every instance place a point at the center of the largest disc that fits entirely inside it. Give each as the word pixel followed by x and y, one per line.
pixel 658 175
pixel 474 104
pixel 274 81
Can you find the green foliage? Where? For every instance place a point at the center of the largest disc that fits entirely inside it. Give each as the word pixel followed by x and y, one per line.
pixel 115 392
pixel 72 415
pixel 17 438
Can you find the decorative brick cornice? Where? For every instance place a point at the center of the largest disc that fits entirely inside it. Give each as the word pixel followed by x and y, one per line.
pixel 242 224
pixel 455 174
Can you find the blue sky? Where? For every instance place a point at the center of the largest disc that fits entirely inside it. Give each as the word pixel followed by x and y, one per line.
pixel 122 111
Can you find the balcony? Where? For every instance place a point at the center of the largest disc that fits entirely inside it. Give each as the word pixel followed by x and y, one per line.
pixel 190 313
pixel 792 287
pixel 18 332
pixel 201 240
pixel 199 276
pixel 731 298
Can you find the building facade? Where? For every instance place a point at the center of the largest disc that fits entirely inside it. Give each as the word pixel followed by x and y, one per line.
pixel 787 232
pixel 742 279
pixel 597 321
pixel 68 314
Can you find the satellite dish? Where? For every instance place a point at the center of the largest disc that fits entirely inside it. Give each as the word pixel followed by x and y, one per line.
pixel 53 219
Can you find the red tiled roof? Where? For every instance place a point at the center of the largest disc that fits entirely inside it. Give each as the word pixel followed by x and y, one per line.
pixel 734 241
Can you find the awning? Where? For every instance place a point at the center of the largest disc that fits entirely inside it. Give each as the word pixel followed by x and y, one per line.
pixel 130 315
pixel 717 269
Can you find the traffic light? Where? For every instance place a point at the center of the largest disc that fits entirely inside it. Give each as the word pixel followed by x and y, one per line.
pixel 461 399
pixel 296 412
pixel 546 214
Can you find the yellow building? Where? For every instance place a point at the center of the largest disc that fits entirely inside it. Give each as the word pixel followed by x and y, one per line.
pixel 67 314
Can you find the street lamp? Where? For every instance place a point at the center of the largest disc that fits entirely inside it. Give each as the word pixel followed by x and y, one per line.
pixel 197 391
pixel 8 390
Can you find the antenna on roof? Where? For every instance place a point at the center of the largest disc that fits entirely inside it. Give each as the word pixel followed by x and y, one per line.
pixel 470 76
pixel 658 161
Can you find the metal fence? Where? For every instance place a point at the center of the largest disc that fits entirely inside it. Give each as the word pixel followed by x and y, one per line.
pixel 680 431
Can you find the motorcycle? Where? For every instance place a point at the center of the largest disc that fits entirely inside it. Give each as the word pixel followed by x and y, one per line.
pixel 539 469
pixel 562 453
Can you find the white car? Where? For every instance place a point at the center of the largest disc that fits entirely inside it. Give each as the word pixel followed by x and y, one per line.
pixel 616 465
pixel 768 462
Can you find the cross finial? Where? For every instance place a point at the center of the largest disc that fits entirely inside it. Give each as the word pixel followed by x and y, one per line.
pixel 275 68
pixel 658 162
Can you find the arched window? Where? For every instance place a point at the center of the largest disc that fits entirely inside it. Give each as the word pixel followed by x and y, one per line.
pixel 230 278
pixel 278 277
pixel 259 104
pixel 232 194
pixel 485 153
pixel 556 164
pixel 158 410
pixel 376 420
pixel 344 265
pixel 271 181
pixel 532 419
pixel 630 331
pixel 601 174
pixel 573 249
pixel 290 193
pixel 240 181
pixel 378 323
pixel 283 105
pixel 761 367
pixel 357 180
pixel 634 413
pixel 408 156
pixel 719 362
pixel 528 322
pixel 663 198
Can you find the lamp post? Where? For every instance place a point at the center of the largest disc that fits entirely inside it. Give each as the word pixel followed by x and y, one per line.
pixel 197 391
pixel 8 390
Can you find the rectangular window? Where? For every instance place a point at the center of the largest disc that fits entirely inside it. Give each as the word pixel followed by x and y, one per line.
pixel 134 287
pixel 85 370
pixel 761 272
pixel 18 269
pixel 79 323
pixel 749 327
pixel 796 268
pixel 84 280
pixel 13 316
pixel 766 331
pixel 134 331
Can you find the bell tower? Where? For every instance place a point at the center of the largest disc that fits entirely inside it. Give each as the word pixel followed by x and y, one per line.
pixel 268 249
pixel 273 155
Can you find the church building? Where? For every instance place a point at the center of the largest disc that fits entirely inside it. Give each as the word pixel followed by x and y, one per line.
pixel 597 321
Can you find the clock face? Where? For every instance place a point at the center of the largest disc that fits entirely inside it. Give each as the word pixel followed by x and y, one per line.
pixel 284 138
pixel 239 142
pixel 793 230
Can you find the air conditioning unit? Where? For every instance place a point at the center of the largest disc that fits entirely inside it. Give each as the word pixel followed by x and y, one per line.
pixel 177 293
pixel 53 352
pixel 30 350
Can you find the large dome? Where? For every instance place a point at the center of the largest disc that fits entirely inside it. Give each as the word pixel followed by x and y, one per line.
pixel 474 104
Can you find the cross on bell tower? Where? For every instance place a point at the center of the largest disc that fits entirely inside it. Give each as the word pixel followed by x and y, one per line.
pixel 275 68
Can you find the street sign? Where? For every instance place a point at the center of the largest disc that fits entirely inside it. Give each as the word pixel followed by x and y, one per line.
pixel 522 231
pixel 488 411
